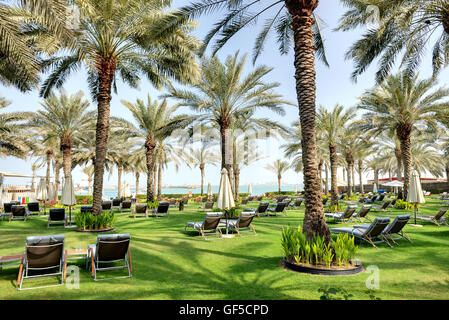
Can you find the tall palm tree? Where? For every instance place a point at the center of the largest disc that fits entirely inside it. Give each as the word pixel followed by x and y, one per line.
pixel 25 28
pixel 45 149
pixel 119 153
pixel 123 39
pixel 203 156
pixel 14 140
pixel 406 28
pixel 223 95
pixel 89 171
pixel 138 164
pixel 331 126
pixel 296 26
pixel 156 121
pixel 278 167
pixel 404 104
pixel 65 118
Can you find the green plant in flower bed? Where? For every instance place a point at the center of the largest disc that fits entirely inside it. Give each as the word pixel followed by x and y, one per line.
pixel 153 204
pixel 89 221
pixel 296 248
pixel 352 198
pixel 335 208
pixel 404 205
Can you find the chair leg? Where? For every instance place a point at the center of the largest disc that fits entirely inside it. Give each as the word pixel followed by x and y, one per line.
pixel 92 259
pixel 252 227
pixel 65 265
pixel 19 278
pixel 130 261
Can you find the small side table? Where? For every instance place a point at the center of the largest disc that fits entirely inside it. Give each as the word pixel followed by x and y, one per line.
pixel 74 254
pixel 13 260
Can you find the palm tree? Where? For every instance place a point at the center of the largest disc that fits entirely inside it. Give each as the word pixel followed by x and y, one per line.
pixel 25 27
pixel 123 39
pixel 138 164
pixel 404 104
pixel 331 126
pixel 203 156
pixel 278 167
pixel 14 140
pixel 406 28
pixel 295 25
pixel 119 153
pixel 155 122
pixel 65 118
pixel 89 171
pixel 223 95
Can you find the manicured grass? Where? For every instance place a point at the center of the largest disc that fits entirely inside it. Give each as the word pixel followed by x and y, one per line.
pixel 170 264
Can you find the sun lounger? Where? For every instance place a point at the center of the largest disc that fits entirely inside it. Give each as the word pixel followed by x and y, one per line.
pixel 208 206
pixel 243 222
pixel 261 209
pixel 280 208
pixel 342 216
pixel 245 201
pixel 372 234
pixel 106 206
pixel 57 216
pixel 85 209
pixel 210 223
pixel 325 201
pixel 18 212
pixel 140 209
pixel 33 207
pixel 125 205
pixel 110 249
pixel 297 203
pixel 363 213
pixel 438 219
pixel 384 207
pixel 394 228
pixel 116 203
pixel 44 255
pixel 162 209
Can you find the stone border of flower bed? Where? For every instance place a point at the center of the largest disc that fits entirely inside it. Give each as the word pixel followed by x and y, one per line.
pixel 95 230
pixel 321 271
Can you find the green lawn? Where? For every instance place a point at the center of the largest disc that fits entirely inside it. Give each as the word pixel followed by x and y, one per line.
pixel 170 264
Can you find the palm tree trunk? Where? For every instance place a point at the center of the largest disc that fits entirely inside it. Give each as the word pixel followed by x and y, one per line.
pixel 447 174
pixel 57 179
pixel 202 179
pixel 150 146
pixel 353 177
pixel 159 182
pixel 279 184
pixel 119 182
pixel 137 182
pixel 302 26
pixel 407 163
pixel 376 177
pixel 398 155
pixel 334 187
pixel 47 175
pixel 237 183
pixel 320 172
pixel 362 191
pixel 66 146
pixel 106 70
pixel 89 181
pixel 326 174
pixel 226 150
pixel 349 180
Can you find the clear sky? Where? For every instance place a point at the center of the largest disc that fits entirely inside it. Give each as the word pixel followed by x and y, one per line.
pixel 333 86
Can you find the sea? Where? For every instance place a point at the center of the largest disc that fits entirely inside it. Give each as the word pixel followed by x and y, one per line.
pixel 257 190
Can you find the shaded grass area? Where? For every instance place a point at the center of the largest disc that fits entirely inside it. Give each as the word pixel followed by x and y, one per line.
pixel 171 264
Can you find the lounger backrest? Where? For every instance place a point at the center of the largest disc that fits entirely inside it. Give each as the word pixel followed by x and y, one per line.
pixel 33 206
pixel 57 214
pixel 163 207
pixel 381 197
pixel 211 221
pixel 173 201
pixel 126 204
pixel 393 202
pixel 377 226
pixel 398 223
pixel 112 247
pixel 280 206
pixel 18 211
pixel 440 214
pixel 373 198
pixel 298 202
pixel 385 205
pixel 245 219
pixel 287 201
pixel 86 209
pixel 263 206
pixel 141 207
pixel 7 207
pixel 349 212
pixel 363 211
pixel 244 201
pixel 209 205
pixel 116 202
pixel 106 205
pixel 45 251
pixel 325 200
pixel 259 198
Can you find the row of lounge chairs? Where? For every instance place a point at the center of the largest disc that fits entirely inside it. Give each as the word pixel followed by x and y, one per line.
pixel 214 222
pixel 45 257
pixel 379 231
